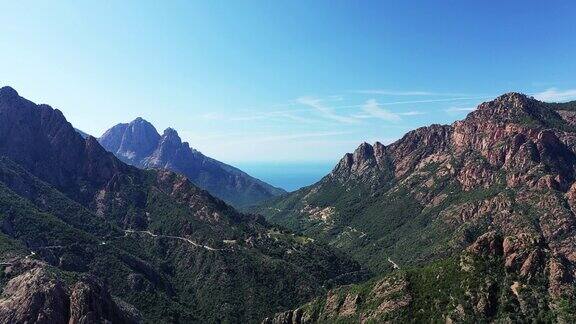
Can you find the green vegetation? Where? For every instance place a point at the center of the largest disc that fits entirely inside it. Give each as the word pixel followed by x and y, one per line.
pixel 546 115
pixel 464 288
pixel 374 224
pixel 261 270
pixel 569 106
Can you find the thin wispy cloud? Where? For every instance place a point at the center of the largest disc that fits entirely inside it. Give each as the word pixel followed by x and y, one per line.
pixel 212 116
pixel 288 137
pixel 317 101
pixel 412 113
pixel 373 109
pixel 275 115
pixel 389 92
pixel 255 138
pixel 251 117
pixel 327 112
pixel 459 109
pixel 555 95
pixel 243 137
pixel 296 118
pixel 324 110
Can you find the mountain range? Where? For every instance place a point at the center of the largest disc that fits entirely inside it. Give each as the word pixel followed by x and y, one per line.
pixel 469 222
pixel 86 238
pixel 138 143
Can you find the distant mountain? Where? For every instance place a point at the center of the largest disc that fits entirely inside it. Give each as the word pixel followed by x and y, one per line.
pixel 139 144
pixel 86 238
pixel 479 217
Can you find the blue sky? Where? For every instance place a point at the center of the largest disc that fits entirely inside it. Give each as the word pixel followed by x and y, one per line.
pixel 284 81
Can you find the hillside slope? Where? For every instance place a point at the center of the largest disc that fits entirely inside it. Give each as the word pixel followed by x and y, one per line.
pixel 508 168
pixel 163 248
pixel 139 144
pixel 474 286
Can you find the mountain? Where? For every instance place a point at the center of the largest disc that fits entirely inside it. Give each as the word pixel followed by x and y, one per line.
pixel 473 221
pixel 87 238
pixel 139 144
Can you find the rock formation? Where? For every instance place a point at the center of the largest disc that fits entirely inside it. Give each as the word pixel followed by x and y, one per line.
pixel 139 144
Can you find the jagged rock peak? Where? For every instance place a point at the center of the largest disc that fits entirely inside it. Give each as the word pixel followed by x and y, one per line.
pixel 364 151
pixel 512 102
pixel 513 96
pixel 8 92
pixel 368 151
pixel 131 141
pixel 364 158
pixel 142 123
pixel 171 134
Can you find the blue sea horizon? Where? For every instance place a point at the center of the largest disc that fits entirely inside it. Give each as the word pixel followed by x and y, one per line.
pixel 289 176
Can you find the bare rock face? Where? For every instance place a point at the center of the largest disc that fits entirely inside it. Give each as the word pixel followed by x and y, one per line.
pixel 495 131
pixel 363 162
pixel 34 297
pixel 489 243
pixel 90 302
pixel 34 294
pixel 40 139
pixel 131 142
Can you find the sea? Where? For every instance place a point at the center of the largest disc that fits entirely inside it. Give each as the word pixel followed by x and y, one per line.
pixel 289 176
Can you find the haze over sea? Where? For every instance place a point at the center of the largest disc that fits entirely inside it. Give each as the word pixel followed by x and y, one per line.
pixel 289 176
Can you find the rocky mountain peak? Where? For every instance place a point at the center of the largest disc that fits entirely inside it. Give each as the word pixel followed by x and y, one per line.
pixel 141 124
pixel 507 107
pixel 364 152
pixel 172 135
pixel 131 141
pixel 513 97
pixel 7 92
pixel 365 159
pixel 511 100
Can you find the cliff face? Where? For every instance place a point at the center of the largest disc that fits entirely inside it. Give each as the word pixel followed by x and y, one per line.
pixel 160 243
pixel 139 144
pixel 35 294
pixel 508 168
pixel 40 139
pixel 131 142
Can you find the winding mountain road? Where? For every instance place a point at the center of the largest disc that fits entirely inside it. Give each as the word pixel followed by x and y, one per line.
pixel 172 237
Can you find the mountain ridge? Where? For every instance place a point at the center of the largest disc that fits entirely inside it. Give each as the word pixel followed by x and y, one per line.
pixel 508 168
pixel 138 143
pixel 68 203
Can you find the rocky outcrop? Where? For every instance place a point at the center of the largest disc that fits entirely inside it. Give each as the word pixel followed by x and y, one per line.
pixel 34 294
pixel 387 296
pixel 90 302
pixel 139 144
pixel 367 161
